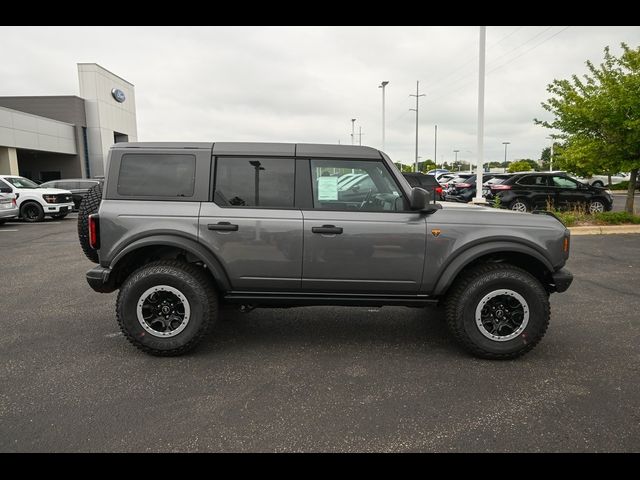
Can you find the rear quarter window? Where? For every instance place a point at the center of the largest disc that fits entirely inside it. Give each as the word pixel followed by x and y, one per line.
pixel 157 175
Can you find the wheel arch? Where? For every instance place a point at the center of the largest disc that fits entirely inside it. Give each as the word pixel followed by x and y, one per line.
pixel 518 254
pixel 155 247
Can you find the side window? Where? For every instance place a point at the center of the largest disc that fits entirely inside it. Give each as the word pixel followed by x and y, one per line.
pixel 564 182
pixel 533 181
pixel 254 182
pixel 354 185
pixel 157 175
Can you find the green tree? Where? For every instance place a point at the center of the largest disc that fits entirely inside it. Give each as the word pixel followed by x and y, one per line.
pixel 598 117
pixel 520 166
pixel 403 167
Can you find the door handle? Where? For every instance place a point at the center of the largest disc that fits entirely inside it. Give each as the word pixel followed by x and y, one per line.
pixel 327 229
pixel 223 227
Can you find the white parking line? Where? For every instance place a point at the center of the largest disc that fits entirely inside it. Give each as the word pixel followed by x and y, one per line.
pixel 5 230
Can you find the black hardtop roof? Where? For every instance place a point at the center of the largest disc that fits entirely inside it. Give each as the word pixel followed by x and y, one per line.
pixel 264 149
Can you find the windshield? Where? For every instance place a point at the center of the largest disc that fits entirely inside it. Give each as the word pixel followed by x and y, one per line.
pixel 21 182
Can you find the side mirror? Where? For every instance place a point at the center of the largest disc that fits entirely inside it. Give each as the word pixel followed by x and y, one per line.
pixel 5 190
pixel 419 198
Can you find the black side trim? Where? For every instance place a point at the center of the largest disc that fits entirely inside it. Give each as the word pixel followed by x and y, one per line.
pixel 311 298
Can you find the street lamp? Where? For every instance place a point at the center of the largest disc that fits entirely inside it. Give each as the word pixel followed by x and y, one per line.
pixel 353 129
pixel 257 165
pixel 550 154
pixel 382 85
pixel 505 156
pixel 456 152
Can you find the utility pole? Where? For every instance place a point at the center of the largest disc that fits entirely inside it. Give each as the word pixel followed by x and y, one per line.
pixel 480 159
pixel 456 153
pixel 435 147
pixel 417 95
pixel 360 136
pixel 353 130
pixel 551 155
pixel 382 85
pixel 504 169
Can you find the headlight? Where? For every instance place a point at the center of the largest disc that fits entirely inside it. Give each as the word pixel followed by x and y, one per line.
pixel 49 198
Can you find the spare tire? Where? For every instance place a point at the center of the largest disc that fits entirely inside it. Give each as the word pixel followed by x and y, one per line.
pixel 89 205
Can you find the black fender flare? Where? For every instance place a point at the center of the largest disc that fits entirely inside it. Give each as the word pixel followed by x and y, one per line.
pixel 193 247
pixel 468 255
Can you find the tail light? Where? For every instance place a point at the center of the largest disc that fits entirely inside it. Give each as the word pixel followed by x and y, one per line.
pixel 439 190
pixel 94 231
pixel 500 187
pixel 13 202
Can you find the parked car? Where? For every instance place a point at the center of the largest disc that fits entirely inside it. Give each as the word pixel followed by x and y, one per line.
pixel 182 229
pixel 457 178
pixel 496 178
pixel 603 180
pixel 77 186
pixel 535 190
pixel 428 182
pixel 8 207
pixel 464 189
pixel 34 201
pixel 437 171
pixel 443 178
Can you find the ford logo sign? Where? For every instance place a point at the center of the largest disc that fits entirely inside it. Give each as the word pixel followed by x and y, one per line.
pixel 118 95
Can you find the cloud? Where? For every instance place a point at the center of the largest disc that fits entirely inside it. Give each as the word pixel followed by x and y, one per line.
pixel 306 83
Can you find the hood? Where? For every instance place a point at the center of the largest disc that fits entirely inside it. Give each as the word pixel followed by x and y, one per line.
pixel 468 213
pixel 47 191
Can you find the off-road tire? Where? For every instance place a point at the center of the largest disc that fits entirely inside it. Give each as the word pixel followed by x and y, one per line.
pixel 467 292
pixel 89 205
pixel 192 281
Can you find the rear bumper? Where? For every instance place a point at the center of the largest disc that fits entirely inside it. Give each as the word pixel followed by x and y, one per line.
pixel 562 280
pixel 99 279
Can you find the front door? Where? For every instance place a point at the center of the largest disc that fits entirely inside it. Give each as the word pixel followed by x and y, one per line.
pixel 359 237
pixel 568 193
pixel 252 226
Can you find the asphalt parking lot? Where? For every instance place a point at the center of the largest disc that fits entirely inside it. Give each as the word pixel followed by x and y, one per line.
pixel 619 200
pixel 311 379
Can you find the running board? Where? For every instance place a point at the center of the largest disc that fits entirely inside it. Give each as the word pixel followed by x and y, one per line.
pixel 290 299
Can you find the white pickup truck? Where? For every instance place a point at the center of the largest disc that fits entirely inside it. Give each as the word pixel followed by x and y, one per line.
pixel 35 202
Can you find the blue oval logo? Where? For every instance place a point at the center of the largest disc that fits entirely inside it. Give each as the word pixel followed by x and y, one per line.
pixel 118 95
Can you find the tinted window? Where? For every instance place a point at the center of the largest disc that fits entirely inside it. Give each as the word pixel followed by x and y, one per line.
pixel 157 175
pixel 371 188
pixel 255 182
pixel 534 181
pixel 564 182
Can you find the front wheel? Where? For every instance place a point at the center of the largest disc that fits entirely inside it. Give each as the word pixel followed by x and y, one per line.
pixel 32 212
pixel 166 307
pixel 597 206
pixel 498 311
pixel 598 183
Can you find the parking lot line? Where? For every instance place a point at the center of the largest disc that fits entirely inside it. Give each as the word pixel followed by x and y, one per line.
pixel 5 230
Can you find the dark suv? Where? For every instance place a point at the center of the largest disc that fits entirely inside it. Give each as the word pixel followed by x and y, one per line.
pixel 183 228
pixel 77 186
pixel 537 190
pixel 464 189
pixel 428 182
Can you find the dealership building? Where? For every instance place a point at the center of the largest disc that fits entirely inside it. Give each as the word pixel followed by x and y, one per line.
pixel 51 137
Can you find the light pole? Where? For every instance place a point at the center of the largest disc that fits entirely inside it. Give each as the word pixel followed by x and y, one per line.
pixel 456 152
pixel 551 155
pixel 480 157
pixel 435 147
pixel 505 156
pixel 382 85
pixel 353 130
pixel 417 95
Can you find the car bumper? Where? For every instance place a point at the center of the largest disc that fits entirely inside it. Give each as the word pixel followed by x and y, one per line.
pixel 562 280
pixel 99 279
pixel 8 213
pixel 58 208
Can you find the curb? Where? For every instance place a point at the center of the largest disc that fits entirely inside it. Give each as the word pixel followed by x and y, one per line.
pixel 604 229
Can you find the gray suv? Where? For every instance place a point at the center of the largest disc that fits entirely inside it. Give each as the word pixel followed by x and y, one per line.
pixel 182 229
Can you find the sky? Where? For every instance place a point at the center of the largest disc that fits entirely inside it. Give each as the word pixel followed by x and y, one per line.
pixel 305 84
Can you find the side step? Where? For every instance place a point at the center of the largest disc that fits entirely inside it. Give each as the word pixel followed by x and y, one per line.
pixel 291 299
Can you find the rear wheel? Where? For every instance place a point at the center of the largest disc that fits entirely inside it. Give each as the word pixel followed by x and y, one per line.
pixel 165 308
pixel 90 205
pixel 498 311
pixel 32 212
pixel 519 205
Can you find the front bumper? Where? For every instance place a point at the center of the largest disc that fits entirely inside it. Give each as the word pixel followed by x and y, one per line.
pixel 100 280
pixel 562 280
pixel 58 208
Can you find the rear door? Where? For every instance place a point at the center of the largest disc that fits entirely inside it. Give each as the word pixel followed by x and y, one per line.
pixel 251 224
pixel 360 240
